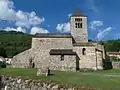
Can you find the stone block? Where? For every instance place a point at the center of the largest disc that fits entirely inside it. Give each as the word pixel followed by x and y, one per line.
pixel 45 72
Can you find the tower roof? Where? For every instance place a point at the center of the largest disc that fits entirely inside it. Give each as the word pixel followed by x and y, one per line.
pixel 77 13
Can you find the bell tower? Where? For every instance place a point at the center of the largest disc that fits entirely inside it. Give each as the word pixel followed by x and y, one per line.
pixel 78 27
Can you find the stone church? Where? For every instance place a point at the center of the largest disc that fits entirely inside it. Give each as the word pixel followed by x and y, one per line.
pixel 65 52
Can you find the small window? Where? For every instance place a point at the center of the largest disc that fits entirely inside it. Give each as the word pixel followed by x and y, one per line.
pixel 78 19
pixel 83 51
pixel 78 25
pixel 62 57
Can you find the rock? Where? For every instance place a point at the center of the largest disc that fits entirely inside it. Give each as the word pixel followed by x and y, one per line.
pixel 6 87
pixel 70 89
pixel 55 87
pixel 45 72
pixel 19 81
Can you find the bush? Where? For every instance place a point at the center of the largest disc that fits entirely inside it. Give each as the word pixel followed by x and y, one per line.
pixel 86 70
pixel 2 64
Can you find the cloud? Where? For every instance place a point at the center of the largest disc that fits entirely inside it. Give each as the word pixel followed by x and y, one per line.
pixel 35 30
pixel 26 19
pixel 63 28
pixel 98 26
pixel 95 24
pixel 69 15
pixel 103 33
pixel 21 18
pixel 92 6
pixel 6 10
pixel 18 29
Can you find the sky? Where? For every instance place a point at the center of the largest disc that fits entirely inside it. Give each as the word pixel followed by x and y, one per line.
pixel 52 16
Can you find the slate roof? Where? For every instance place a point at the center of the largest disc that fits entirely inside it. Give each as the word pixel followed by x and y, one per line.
pixel 62 52
pixel 114 53
pixel 77 13
pixel 83 44
pixel 53 35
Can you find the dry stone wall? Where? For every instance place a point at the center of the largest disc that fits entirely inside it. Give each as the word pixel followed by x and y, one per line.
pixel 116 65
pixel 19 83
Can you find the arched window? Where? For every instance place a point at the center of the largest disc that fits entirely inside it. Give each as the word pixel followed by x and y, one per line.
pixel 83 51
pixel 62 57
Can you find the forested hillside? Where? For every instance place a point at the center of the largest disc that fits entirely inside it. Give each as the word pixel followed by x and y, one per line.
pixel 112 45
pixel 12 43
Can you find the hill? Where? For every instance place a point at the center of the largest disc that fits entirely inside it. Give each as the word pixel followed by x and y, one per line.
pixel 14 42
pixel 112 45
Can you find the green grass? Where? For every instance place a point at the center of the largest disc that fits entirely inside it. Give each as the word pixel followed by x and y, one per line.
pixel 92 79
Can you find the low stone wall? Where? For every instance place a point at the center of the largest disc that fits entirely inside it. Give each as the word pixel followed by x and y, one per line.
pixel 116 65
pixel 19 83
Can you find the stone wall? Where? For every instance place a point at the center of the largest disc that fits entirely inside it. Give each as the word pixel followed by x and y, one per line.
pixel 89 59
pixel 99 59
pixel 19 83
pixel 42 59
pixel 43 47
pixel 40 52
pixel 116 65
pixel 69 63
pixel 80 35
pixel 100 48
pixel 22 60
pixel 52 43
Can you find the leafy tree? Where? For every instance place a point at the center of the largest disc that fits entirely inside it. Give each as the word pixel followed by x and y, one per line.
pixel 2 64
pixel 3 52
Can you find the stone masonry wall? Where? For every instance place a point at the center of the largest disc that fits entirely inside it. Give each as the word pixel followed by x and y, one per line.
pixel 99 60
pixel 43 47
pixel 116 65
pixel 40 52
pixel 42 59
pixel 52 43
pixel 69 62
pixel 19 83
pixel 100 48
pixel 89 59
pixel 22 59
pixel 80 35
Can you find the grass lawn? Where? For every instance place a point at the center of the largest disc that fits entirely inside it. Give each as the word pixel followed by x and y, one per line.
pixel 98 80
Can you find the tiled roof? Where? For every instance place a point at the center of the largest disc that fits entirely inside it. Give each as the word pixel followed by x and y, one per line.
pixel 62 52
pixel 115 53
pixel 77 13
pixel 53 35
pixel 83 44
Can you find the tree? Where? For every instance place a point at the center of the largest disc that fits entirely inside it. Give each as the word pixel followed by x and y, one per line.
pixel 3 52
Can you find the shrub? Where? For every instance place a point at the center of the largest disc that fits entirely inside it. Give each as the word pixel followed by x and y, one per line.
pixel 86 70
pixel 2 64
